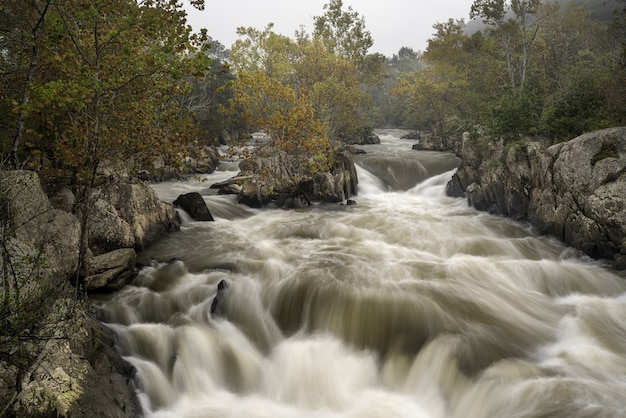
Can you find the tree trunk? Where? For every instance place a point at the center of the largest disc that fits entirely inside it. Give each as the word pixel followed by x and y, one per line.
pixel 30 76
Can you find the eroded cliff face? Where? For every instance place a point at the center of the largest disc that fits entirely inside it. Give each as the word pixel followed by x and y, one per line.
pixel 574 191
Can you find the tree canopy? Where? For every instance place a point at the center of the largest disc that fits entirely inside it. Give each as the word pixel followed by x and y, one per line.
pixel 537 69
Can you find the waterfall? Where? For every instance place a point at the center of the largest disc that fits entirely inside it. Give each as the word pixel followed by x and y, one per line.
pixel 408 304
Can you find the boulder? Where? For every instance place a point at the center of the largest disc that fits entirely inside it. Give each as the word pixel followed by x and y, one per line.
pixel 194 205
pixel 575 191
pixel 129 215
pixel 367 136
pixel 415 135
pixel 50 234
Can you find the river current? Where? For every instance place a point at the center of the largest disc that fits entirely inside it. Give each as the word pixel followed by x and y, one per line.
pixel 407 304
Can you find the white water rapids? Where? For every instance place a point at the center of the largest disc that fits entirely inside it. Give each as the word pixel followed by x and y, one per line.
pixel 408 304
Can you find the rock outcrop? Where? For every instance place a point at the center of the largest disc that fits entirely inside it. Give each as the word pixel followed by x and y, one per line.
pixel 367 136
pixel 35 228
pixel 69 367
pixel 78 374
pixel 574 191
pixel 111 271
pixel 129 215
pixel 334 186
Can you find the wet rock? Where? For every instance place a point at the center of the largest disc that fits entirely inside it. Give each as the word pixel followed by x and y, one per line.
pixel 218 301
pixel 194 205
pixel 336 185
pixel 367 136
pixel 230 186
pixel 412 135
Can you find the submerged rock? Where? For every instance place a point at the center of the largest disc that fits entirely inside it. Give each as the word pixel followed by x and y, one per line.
pixel 218 301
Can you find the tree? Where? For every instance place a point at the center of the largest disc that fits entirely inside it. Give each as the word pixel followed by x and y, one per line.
pixel 343 32
pixel 457 79
pixel 264 51
pixel 334 88
pixel 517 34
pixel 111 90
pixel 23 43
pixel 298 146
pixel 211 93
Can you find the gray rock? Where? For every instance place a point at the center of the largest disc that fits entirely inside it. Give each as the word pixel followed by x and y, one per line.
pixel 52 234
pixel 575 191
pixel 337 185
pixel 78 374
pixel 111 271
pixel 129 215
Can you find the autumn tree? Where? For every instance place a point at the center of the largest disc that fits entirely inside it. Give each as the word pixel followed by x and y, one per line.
pixel 106 87
pixel 298 145
pixel 334 88
pixel 457 78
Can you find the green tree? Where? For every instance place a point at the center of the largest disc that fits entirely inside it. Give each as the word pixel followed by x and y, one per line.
pixel 23 26
pixel 334 88
pixel 343 32
pixel 458 78
pixel 264 51
pixel 517 34
pixel 212 93
pixel 111 90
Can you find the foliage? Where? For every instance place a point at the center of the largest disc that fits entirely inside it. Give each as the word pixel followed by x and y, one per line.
pixel 517 112
pixel 264 51
pixel 106 83
pixel 211 93
pixel 451 89
pixel 343 32
pixel 516 34
pixel 298 146
pixel 330 68
pixel 537 69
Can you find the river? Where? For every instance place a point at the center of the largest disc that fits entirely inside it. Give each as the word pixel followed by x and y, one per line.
pixel 407 304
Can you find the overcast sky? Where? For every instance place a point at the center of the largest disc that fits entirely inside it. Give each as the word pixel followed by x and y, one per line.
pixel 392 23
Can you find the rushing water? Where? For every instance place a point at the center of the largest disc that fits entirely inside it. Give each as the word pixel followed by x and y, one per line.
pixel 408 304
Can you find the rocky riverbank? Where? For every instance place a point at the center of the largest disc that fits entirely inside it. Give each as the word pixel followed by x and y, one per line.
pixel 57 358
pixel 574 191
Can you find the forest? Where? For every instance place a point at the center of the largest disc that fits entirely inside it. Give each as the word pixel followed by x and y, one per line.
pixel 86 82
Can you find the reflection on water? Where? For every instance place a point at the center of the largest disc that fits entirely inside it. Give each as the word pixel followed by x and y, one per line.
pixel 409 304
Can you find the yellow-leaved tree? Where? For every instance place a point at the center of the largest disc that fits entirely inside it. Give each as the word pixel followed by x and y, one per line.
pixel 297 145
